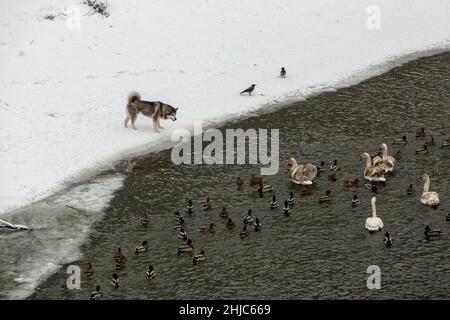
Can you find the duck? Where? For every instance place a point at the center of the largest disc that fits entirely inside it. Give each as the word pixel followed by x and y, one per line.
pixel 326 197
pixel 385 160
pixel 273 203
pixel 142 248
pixel 95 294
pixel 372 187
pixel 420 133
pixel 301 174
pixel 248 218
pixel 429 198
pixel 432 233
pixel 286 209
pixel 182 234
pixel 230 224
pixel 320 167
pixel 447 218
pixel 144 219
pixel 411 189
pixel 150 274
pixel 239 183
pixel 387 240
pixel 291 199
pixel 403 140
pixel 374 223
pixel 207 204
pixel 223 213
pixel 256 180
pixel 265 188
pixel 88 270
pixel 189 247
pixel 445 145
pixel 424 149
pixel 190 207
pixel 115 281
pixel 355 201
pixel 351 183
pixel 334 167
pixel 332 177
pixel 210 229
pixel 199 257
pixel 257 225
pixel 431 142
pixel 398 155
pixel 372 172
pixel 244 233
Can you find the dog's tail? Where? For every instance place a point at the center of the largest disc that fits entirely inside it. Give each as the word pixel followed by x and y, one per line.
pixel 133 96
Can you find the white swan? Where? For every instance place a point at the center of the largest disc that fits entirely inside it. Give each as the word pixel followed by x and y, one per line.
pixel 386 160
pixel 301 174
pixel 429 198
pixel 372 172
pixel 374 223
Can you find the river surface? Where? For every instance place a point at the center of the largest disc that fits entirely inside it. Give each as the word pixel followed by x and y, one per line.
pixel 321 251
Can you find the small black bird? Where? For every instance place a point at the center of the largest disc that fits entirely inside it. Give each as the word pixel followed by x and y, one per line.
pixel 249 90
pixel 283 72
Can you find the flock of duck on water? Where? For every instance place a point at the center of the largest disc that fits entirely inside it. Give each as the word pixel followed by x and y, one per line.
pixel 376 168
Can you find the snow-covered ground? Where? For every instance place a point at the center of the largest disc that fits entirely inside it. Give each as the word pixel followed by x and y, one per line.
pixel 63 89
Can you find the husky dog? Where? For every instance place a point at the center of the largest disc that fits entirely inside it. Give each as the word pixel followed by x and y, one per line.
pixel 154 109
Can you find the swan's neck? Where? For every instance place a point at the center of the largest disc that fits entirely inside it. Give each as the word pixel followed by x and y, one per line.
pixel 385 151
pixel 368 161
pixel 426 185
pixel 374 210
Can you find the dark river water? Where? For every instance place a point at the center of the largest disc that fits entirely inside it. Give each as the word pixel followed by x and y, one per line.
pixel 321 251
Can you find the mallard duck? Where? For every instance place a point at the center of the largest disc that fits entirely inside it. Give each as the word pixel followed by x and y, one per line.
pixel 387 240
pixel 190 207
pixel 223 213
pixel 447 218
pixel 286 209
pixel 142 248
pixel 403 140
pixel 420 133
pixel 189 247
pixel 334 167
pixel 273 203
pixel 431 142
pixel 88 270
pixel 351 183
pixel 244 233
pixel 115 281
pixel 291 199
pixel 307 192
pixel 372 187
pixel 150 274
pixel 411 189
pixel 432 233
pixel 429 198
pixel 207 204
pixel 239 182
pixel 265 188
pixel 424 149
pixel 95 294
pixel 326 197
pixel 355 201
pixel 248 218
pixel 256 180
pixel 332 177
pixel 230 224
pixel 209 229
pixel 320 167
pixel 144 219
pixel 199 257
pixel 398 155
pixel 257 225
pixel 182 234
